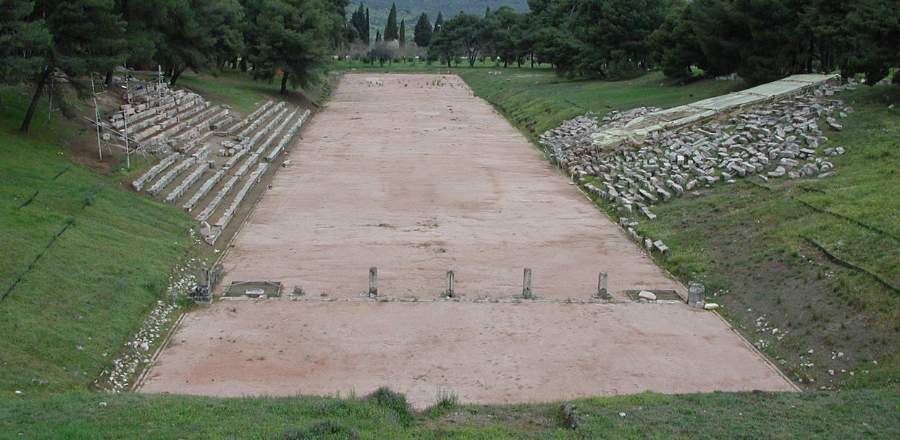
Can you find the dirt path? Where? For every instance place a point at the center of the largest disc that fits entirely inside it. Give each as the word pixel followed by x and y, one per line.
pixel 417 177
pixel 481 352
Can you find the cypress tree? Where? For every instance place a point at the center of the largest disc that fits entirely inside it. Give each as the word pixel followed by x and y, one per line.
pixel 439 22
pixel 403 33
pixel 368 33
pixel 390 30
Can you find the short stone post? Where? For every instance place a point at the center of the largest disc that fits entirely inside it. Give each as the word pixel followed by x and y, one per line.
pixel 526 285
pixel 602 290
pixel 373 282
pixel 450 279
pixel 696 295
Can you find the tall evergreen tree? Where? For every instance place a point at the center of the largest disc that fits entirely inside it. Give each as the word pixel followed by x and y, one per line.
pixel 422 31
pixel 378 37
pixel 402 33
pixel 439 22
pixel 391 31
pixel 359 22
pixel 368 33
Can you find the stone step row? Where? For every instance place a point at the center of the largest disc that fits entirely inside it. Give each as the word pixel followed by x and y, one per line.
pixel 204 190
pixel 188 182
pixel 179 168
pixel 276 133
pixel 167 178
pixel 250 118
pixel 254 158
pixel 154 126
pixel 217 200
pixel 287 138
pixel 226 217
pixel 179 125
pixel 252 126
pixel 139 183
pixel 152 115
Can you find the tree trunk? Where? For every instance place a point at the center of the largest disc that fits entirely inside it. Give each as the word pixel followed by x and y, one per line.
pixel 284 81
pixel 109 78
pixel 176 73
pixel 34 99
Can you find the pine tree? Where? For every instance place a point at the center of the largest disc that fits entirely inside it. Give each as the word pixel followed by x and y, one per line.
pixel 23 43
pixel 377 37
pixel 391 32
pixel 402 33
pixel 85 36
pixel 292 38
pixel 422 31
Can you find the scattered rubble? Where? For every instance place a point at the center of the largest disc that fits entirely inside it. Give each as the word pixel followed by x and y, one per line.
pixel 776 139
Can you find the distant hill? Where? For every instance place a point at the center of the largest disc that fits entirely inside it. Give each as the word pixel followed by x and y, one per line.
pixel 411 9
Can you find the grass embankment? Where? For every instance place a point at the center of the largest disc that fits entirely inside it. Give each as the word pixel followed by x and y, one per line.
pixel 816 259
pixel 849 414
pixel 538 100
pixel 83 259
pixel 242 93
pixel 809 269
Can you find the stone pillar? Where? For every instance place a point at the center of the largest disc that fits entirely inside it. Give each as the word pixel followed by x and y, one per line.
pixel 696 295
pixel 602 290
pixel 451 277
pixel 373 282
pixel 526 285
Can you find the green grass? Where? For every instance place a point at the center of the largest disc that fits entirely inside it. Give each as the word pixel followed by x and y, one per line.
pixel 818 258
pixel 78 296
pixel 850 414
pixel 538 100
pixel 242 93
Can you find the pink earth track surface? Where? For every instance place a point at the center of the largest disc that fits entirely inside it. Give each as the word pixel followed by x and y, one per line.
pixel 418 176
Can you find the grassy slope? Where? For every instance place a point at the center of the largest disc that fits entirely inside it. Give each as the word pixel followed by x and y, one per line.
pixel 850 414
pixel 763 247
pixel 90 287
pixel 242 93
pixel 536 101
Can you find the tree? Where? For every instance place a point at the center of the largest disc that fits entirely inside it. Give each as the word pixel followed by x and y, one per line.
pixel 359 21
pixel 468 33
pixel 85 36
pixel 391 31
pixel 439 23
pixel 378 38
pixel 422 31
pixel 292 40
pixel 402 33
pixel 368 32
pixel 675 43
pixel 23 43
pixel 875 29
pixel 444 47
pixel 187 34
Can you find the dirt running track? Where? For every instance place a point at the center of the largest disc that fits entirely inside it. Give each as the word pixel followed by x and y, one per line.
pixel 417 177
